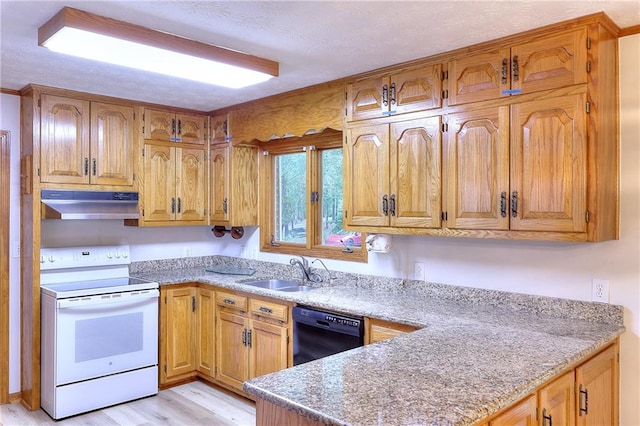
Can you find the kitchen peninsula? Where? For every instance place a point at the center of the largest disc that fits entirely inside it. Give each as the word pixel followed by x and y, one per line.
pixel 478 352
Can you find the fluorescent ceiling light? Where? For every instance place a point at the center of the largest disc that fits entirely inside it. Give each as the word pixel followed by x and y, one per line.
pixel 89 36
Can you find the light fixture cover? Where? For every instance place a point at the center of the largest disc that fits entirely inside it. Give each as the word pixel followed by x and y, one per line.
pixel 85 35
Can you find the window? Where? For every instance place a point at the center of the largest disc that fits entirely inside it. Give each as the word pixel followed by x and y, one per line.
pixel 302 188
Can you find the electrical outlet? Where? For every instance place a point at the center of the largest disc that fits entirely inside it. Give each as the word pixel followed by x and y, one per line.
pixel 187 252
pixel 600 291
pixel 418 271
pixel 16 252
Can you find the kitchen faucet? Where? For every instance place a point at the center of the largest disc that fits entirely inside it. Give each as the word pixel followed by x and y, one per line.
pixel 307 275
pixel 331 277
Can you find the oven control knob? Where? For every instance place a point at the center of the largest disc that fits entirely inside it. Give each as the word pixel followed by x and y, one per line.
pixel 52 258
pixel 125 254
pixel 109 255
pixel 41 259
pixel 117 255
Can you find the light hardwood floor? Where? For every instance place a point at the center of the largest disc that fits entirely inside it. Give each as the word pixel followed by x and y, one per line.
pixel 194 404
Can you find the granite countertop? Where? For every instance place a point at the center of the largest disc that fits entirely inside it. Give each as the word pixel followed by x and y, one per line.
pixel 477 352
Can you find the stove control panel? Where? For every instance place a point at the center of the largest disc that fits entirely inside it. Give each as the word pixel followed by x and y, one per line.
pixel 83 257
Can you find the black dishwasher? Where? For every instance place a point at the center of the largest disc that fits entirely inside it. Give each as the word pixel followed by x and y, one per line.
pixel 317 334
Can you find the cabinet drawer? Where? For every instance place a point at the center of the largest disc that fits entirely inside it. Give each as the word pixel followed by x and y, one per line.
pixel 232 301
pixel 269 310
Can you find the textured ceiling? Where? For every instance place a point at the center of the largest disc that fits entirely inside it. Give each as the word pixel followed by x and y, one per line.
pixel 314 41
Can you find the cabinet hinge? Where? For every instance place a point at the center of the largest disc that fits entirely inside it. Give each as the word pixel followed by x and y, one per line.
pixel 38 171
pixel 536 413
pixel 587 107
pixel 587 216
pixel 345 214
pixel 134 115
pixel 588 66
pixel 445 127
pixel 143 152
pixel 165 369
pixel 39 104
pixel 345 140
pixel 134 177
pixel 165 297
pixel 193 303
pixel 445 94
pixel 588 43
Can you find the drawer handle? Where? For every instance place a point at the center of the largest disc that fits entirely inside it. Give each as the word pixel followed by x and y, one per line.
pixel 266 310
pixel 229 301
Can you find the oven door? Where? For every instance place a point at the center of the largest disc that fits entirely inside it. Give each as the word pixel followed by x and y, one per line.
pixel 105 334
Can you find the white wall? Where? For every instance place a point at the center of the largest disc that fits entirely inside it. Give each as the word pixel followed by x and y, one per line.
pixel 542 268
pixel 10 120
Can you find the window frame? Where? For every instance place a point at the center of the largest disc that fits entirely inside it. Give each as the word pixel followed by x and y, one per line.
pixel 312 145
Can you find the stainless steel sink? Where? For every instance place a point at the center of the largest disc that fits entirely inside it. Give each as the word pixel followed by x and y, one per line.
pixel 298 288
pixel 279 285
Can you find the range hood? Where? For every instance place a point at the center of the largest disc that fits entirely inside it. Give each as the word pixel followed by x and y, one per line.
pixel 59 204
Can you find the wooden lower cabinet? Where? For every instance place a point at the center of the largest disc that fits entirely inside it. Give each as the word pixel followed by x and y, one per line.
pixel 223 337
pixel 586 395
pixel 248 344
pixel 377 330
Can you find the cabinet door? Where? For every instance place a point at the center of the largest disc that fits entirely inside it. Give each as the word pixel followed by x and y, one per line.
pixel 364 99
pixel 366 175
pixel 191 128
pixel 159 125
pixel 180 330
pixel 219 185
pixel 416 90
pixel 205 331
pixel 549 165
pixel 597 389
pixel 556 402
pixel 191 185
pixel 111 144
pixel 415 186
pixel 232 354
pixel 219 128
pixel 268 348
pixel 522 414
pixel 550 62
pixel 159 183
pixel 476 169
pixel 479 77
pixel 64 146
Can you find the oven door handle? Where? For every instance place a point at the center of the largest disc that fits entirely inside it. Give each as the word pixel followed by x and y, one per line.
pixel 108 299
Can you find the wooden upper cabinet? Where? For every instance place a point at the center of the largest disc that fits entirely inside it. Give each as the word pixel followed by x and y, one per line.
pixel 415 173
pixel 366 170
pixel 549 165
pixel 476 169
pixel 546 63
pixel 219 185
pixel 175 184
pixel 394 174
pixel 233 185
pixel 159 183
pixel 219 125
pixel 64 146
pixel 191 185
pixel 171 127
pixel 479 77
pixel 111 144
pixel 405 91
